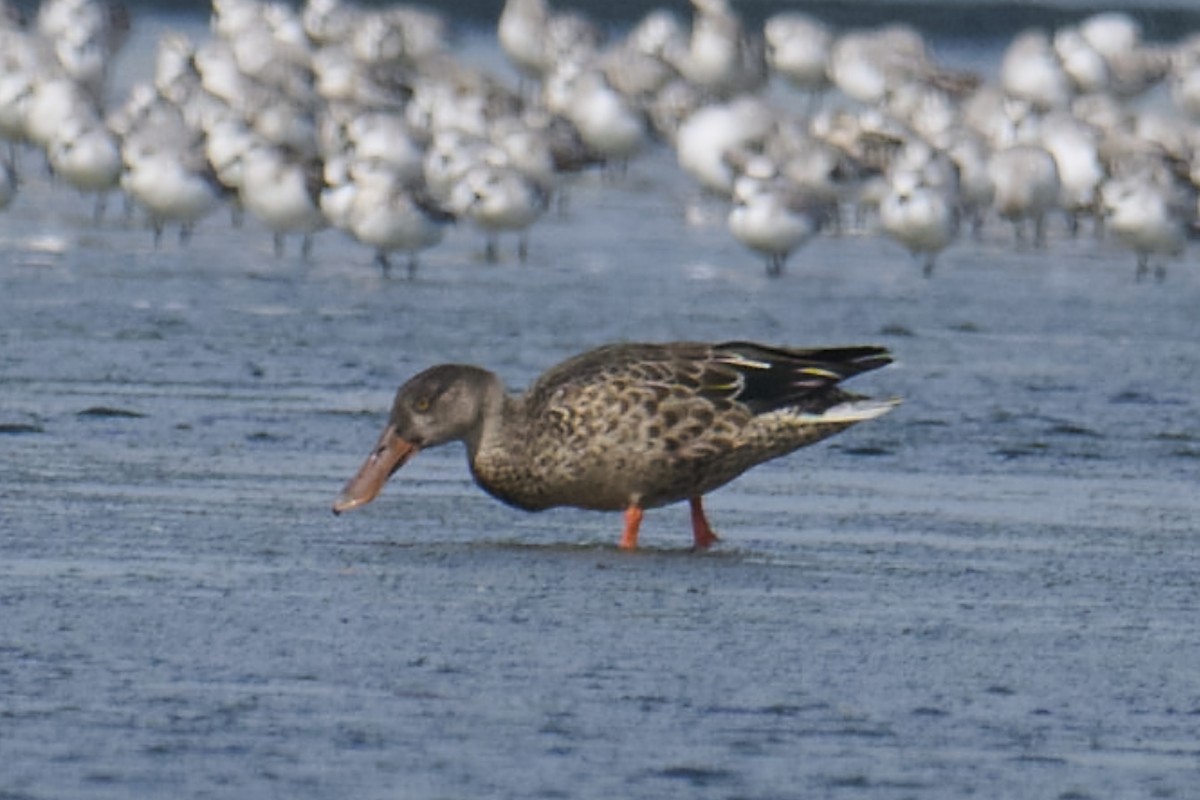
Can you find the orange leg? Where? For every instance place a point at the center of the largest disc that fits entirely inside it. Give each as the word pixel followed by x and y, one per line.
pixel 633 520
pixel 702 532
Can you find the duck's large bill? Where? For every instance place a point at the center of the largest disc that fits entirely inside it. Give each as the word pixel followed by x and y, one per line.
pixel 390 454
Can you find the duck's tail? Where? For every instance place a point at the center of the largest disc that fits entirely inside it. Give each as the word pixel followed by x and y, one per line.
pixel 856 409
pixel 773 378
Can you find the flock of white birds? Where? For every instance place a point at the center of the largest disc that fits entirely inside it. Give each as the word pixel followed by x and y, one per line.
pixel 365 120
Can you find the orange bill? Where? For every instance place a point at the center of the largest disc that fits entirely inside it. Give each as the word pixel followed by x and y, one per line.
pixel 389 455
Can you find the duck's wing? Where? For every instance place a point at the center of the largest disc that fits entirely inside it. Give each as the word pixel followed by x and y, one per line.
pixel 766 379
pixel 758 377
pixel 616 367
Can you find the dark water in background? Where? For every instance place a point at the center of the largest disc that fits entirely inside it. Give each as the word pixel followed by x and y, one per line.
pixel 990 592
pixel 965 19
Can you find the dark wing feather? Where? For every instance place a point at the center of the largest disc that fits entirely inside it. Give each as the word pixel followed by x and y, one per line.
pixel 768 378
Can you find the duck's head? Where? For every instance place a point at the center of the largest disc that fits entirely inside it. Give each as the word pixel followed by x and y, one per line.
pixel 443 404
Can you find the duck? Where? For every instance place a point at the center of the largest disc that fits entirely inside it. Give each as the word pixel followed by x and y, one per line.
pixel 626 426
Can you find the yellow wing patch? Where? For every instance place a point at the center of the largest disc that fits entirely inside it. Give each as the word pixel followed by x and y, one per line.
pixel 818 372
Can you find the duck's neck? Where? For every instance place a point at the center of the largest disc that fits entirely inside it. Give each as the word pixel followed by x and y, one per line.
pixel 498 450
pixel 497 418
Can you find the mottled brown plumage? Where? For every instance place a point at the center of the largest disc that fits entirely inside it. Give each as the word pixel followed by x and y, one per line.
pixel 626 427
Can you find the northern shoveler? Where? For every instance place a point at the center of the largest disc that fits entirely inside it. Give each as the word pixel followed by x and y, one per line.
pixel 626 427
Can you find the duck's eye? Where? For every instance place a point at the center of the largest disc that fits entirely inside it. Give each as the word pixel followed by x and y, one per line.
pixel 422 405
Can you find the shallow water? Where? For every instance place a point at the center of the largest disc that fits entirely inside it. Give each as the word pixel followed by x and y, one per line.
pixel 992 591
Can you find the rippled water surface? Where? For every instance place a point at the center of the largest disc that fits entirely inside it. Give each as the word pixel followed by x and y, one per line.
pixel 990 592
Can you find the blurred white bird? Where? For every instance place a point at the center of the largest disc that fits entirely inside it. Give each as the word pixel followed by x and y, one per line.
pixel 1031 71
pixel 922 217
pixel 798 48
pixel 772 216
pixel 498 199
pixel 1149 216
pixel 88 156
pixel 389 216
pixel 172 186
pixel 706 139
pixel 283 193
pixel 1027 187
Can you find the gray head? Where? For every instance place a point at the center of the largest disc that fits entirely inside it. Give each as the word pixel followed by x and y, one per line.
pixel 443 404
pixel 447 403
